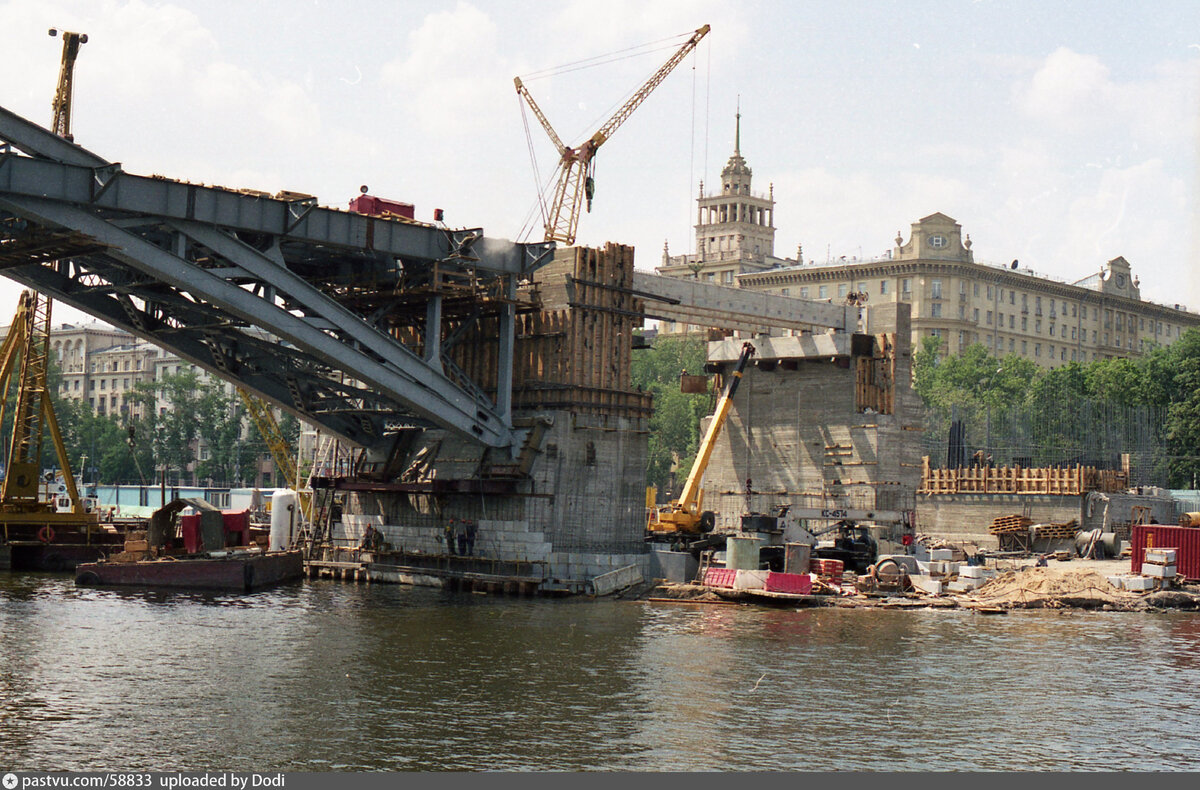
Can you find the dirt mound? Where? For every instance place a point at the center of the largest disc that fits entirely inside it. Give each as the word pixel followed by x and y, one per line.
pixel 1036 587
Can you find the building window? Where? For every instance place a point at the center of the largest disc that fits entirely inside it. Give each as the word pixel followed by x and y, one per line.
pixel 1037 349
pixel 727 277
pixel 975 315
pixel 962 312
pixel 1093 337
pixel 804 292
pixel 1073 333
pixel 1037 325
pixel 1074 312
pixel 935 289
pixel 103 382
pixel 1012 322
pixel 906 285
pixel 883 287
pixel 1051 329
pixel 1012 345
pixel 823 292
pixel 935 310
pixel 1106 338
pixel 989 292
pixel 961 340
pixel 1064 332
pixel 975 289
pixel 989 317
pixel 1024 324
pixel 783 291
pixel 1012 297
pixel 1024 347
pixel 1037 305
pixel 989 341
pixel 842 288
pixel 1063 354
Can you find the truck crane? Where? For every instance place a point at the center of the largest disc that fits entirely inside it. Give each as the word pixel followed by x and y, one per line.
pixel 23 362
pixel 576 166
pixel 683 516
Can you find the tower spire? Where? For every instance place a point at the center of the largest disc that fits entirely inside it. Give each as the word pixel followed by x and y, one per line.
pixel 737 137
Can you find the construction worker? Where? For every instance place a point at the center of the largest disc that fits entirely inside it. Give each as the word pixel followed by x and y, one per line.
pixel 462 538
pixel 449 533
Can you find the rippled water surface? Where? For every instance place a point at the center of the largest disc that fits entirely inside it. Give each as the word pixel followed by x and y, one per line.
pixel 324 676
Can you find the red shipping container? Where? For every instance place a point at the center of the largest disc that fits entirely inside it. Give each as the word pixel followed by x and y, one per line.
pixel 720 577
pixel 796 583
pixel 1185 541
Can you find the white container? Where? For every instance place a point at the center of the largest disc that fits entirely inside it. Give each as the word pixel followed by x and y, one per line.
pixel 1158 571
pixel 941 554
pixel 1160 556
pixel 283 519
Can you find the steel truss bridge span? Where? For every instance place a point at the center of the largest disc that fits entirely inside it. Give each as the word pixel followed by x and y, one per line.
pixel 299 304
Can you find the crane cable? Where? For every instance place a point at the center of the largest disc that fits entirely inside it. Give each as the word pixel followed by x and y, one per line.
pixel 609 57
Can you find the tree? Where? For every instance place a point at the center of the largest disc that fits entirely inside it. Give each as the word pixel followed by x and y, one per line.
pixel 675 424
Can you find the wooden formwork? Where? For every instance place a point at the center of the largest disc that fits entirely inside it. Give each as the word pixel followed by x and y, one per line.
pixel 576 351
pixel 1066 481
pixel 876 376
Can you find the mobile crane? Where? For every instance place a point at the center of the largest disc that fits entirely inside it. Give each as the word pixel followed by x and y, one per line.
pixel 576 166
pixel 683 516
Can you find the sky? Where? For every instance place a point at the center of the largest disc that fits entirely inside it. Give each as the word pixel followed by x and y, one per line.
pixel 1062 134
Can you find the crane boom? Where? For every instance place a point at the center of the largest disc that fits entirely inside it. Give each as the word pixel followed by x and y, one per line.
pixel 278 445
pixel 575 164
pixel 683 515
pixel 620 116
pixel 523 92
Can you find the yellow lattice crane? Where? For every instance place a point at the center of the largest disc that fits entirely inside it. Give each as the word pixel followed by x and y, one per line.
pixel 279 447
pixel 576 165
pixel 23 360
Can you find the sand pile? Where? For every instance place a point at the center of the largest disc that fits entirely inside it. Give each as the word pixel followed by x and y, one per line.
pixel 1036 587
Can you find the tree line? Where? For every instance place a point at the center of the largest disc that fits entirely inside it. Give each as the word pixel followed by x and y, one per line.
pixel 1077 412
pixel 165 425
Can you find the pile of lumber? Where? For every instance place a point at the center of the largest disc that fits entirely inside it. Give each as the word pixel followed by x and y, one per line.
pixel 1066 529
pixel 1007 525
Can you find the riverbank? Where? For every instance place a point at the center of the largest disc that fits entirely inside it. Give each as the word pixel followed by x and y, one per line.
pixel 1076 585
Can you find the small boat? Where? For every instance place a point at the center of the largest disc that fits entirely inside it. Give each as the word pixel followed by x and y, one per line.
pixel 233 570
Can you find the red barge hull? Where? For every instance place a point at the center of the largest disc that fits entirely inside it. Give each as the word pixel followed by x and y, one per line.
pixel 235 573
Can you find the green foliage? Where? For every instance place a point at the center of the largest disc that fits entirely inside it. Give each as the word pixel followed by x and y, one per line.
pixel 1167 378
pixel 675 425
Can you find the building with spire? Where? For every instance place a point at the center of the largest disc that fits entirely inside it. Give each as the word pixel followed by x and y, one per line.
pixel 735 228
pixel 1007 308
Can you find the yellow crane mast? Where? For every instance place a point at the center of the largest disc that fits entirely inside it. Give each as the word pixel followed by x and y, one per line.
pixel 23 358
pixel 279 447
pixel 576 165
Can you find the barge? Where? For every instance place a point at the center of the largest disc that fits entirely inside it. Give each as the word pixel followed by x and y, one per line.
pixel 232 571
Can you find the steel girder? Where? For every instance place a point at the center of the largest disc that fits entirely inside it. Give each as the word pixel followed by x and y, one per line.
pixel 247 286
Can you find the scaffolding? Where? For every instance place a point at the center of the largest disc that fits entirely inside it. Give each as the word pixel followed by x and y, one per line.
pixel 1079 434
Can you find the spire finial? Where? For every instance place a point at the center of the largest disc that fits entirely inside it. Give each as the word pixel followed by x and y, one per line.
pixel 737 138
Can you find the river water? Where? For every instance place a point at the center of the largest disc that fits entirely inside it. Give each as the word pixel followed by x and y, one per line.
pixel 331 676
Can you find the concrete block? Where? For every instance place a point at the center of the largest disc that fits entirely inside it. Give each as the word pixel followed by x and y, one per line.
pixel 964 585
pixel 1116 581
pixel 941 554
pixel 926 584
pixel 1138 583
pixel 970 572
pixel 1160 556
pixel 1158 571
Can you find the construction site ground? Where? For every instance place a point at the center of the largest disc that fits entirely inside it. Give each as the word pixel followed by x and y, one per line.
pixel 1074 584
